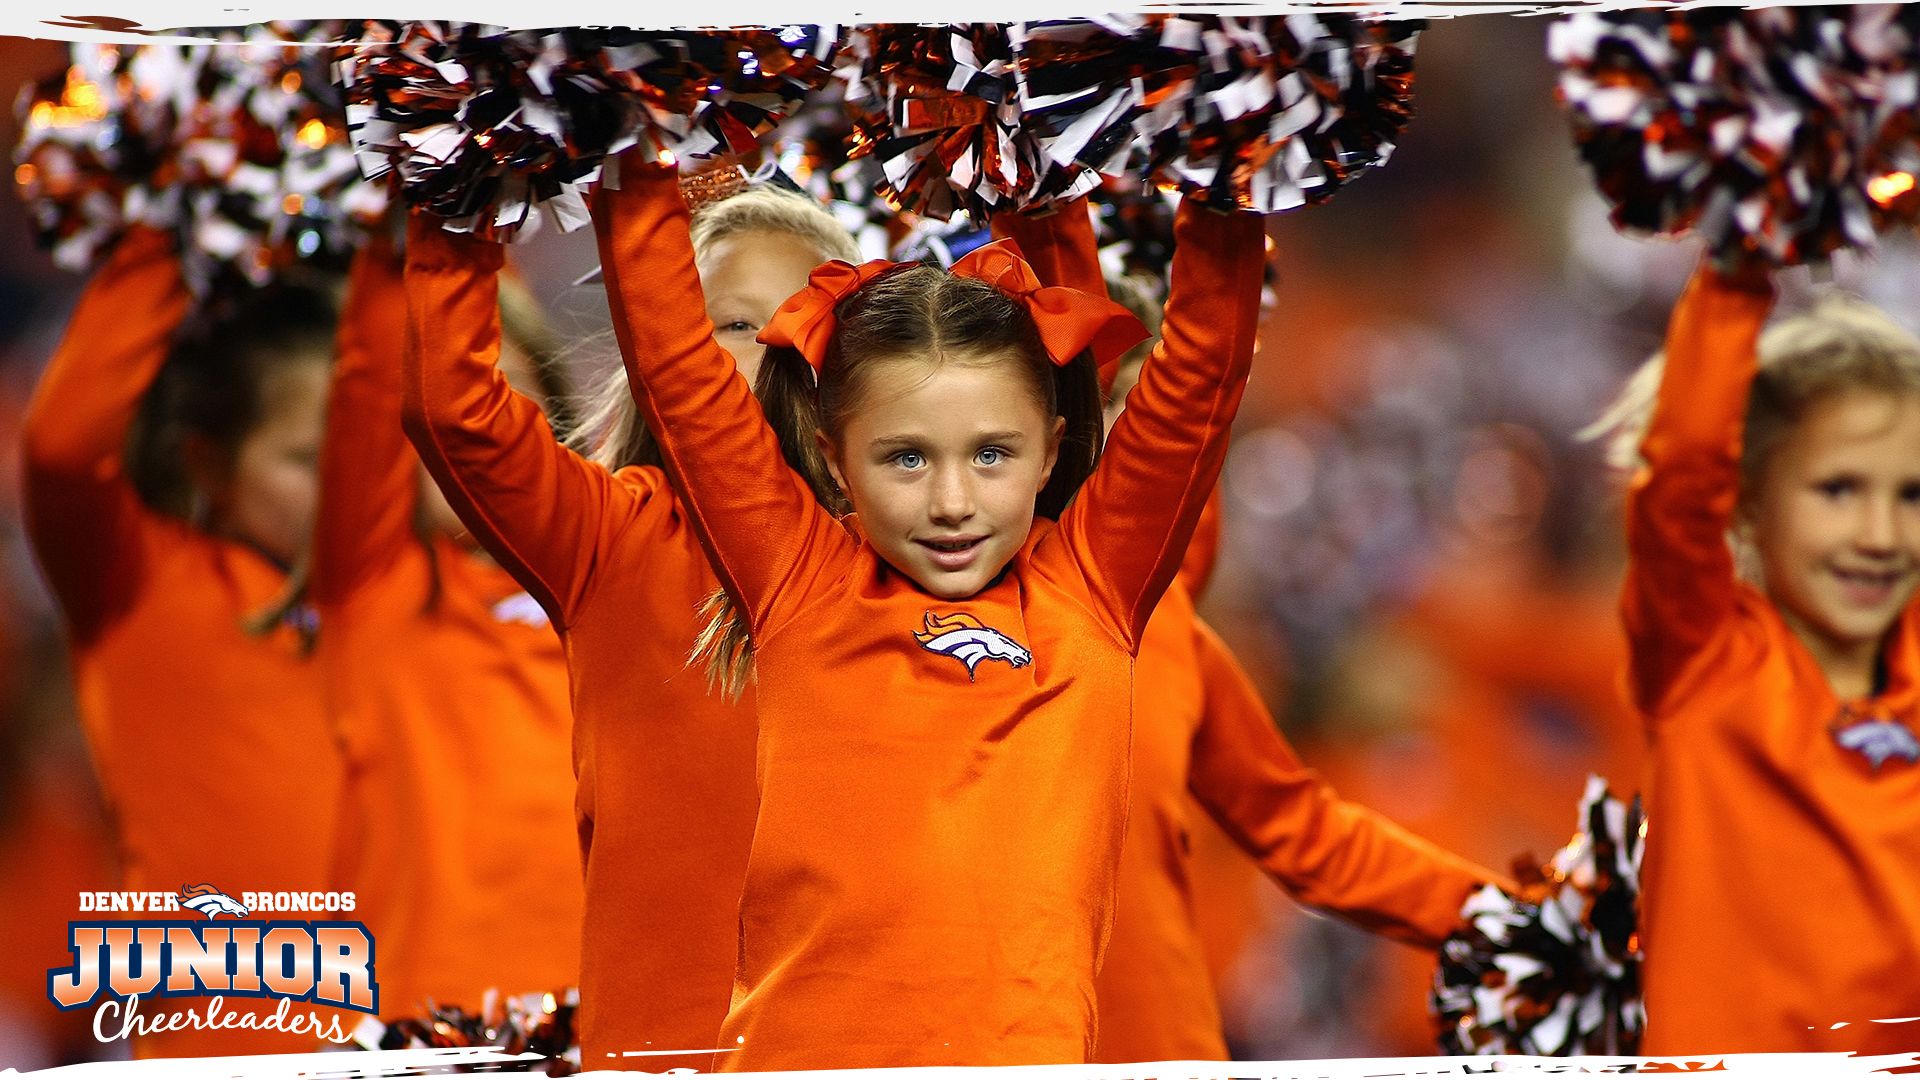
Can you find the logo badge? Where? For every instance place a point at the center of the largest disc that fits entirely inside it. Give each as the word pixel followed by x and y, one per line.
pixel 210 901
pixel 969 641
pixel 1878 739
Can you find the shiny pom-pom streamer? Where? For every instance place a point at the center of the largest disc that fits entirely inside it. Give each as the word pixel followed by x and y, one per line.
pixel 978 117
pixel 1554 971
pixel 541 1024
pixel 1777 135
pixel 239 148
pixel 497 131
pixel 1273 113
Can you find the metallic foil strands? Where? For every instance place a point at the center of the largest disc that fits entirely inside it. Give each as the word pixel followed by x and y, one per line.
pixel 1777 134
pixel 498 130
pixel 1271 114
pixel 941 110
pixel 541 1024
pixel 239 148
pixel 1556 970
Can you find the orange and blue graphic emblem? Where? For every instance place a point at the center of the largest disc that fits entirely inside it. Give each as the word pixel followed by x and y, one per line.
pixel 210 901
pixel 969 641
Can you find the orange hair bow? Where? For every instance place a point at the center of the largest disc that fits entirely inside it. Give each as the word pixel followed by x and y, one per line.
pixel 1069 320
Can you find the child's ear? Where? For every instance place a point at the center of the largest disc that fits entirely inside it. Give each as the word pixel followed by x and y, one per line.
pixel 830 452
pixel 1054 439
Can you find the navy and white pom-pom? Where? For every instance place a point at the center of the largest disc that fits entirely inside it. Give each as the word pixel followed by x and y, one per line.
pixel 1270 114
pixel 497 130
pixel 1556 970
pixel 979 117
pixel 1777 134
pixel 239 148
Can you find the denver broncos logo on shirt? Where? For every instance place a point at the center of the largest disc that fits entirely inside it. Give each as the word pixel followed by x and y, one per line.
pixel 1876 738
pixel 969 641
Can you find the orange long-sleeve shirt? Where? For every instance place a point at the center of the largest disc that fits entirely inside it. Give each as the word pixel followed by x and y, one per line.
pixel 932 871
pixel 1781 889
pixel 666 796
pixel 210 743
pixel 1203 738
pixel 448 691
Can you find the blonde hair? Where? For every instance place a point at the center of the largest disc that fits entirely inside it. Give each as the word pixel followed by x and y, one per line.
pixel 610 431
pixel 1842 344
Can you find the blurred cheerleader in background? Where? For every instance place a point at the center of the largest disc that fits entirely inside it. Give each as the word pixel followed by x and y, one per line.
pixel 170 485
pixel 446 688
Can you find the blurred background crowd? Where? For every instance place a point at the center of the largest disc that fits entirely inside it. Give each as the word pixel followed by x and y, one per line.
pixel 1420 562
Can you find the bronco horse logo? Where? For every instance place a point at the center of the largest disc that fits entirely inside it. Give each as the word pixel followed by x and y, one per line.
pixel 210 901
pixel 1878 739
pixel 969 641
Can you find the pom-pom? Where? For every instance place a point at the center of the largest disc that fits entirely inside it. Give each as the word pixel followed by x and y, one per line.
pixel 239 148
pixel 1556 970
pixel 540 1024
pixel 960 120
pixel 495 130
pixel 1778 134
pixel 1269 114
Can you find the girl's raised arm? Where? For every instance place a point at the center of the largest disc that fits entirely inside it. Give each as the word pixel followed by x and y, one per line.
pixel 85 519
pixel 1329 853
pixel 755 516
pixel 367 492
pixel 1680 577
pixel 1135 515
pixel 538 508
pixel 1060 245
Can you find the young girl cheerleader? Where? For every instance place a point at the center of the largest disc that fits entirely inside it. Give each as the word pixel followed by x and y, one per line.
pixel 666 798
pixel 210 741
pixel 942 678
pixel 1781 909
pixel 448 691
pixel 1201 733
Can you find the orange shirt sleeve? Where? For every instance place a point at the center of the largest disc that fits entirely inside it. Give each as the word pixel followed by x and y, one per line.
pixel 1059 245
pixel 1680 578
pixel 83 515
pixel 755 516
pixel 1132 520
pixel 1063 251
pixel 367 486
pixel 538 508
pixel 1326 852
pixel 1196 570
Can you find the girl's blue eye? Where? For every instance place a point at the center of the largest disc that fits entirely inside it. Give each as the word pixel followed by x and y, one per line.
pixel 990 456
pixel 909 459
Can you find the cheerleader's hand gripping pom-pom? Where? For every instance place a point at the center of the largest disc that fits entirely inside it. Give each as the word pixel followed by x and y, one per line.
pixel 239 148
pixel 1777 135
pixel 1556 970
pixel 541 1024
pixel 498 130
pixel 1270 114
